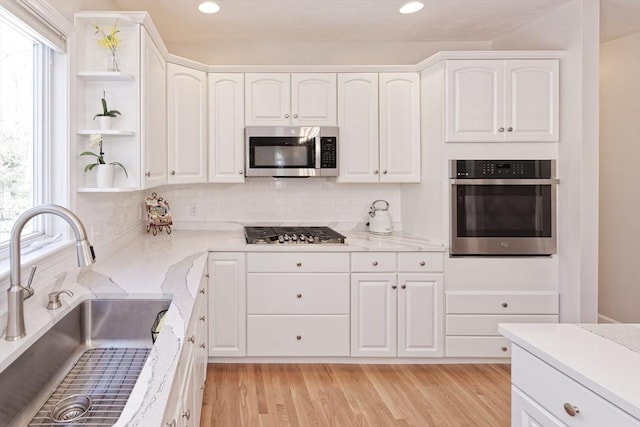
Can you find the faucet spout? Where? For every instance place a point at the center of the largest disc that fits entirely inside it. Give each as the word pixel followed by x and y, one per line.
pixel 15 293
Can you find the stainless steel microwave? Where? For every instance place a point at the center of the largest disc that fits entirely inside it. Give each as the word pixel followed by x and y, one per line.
pixel 291 151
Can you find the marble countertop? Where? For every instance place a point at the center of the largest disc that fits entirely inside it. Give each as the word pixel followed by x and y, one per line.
pixel 165 266
pixel 600 361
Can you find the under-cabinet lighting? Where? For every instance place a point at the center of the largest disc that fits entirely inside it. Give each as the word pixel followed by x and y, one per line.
pixel 412 7
pixel 208 7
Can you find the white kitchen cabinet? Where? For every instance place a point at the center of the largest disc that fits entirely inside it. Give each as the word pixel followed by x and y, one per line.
pixel 226 127
pixel 283 99
pixel 496 100
pixel 298 304
pixel 187 391
pixel 137 138
pixel 186 124
pixel 227 305
pixel 548 396
pixel 394 313
pixel 379 121
pixel 154 113
pixel 399 127
pixel 472 319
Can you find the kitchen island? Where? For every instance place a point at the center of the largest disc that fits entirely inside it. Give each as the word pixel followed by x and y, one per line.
pixel 568 374
pixel 166 266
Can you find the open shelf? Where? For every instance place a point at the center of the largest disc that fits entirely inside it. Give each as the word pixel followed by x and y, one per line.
pixel 106 189
pixel 112 132
pixel 105 75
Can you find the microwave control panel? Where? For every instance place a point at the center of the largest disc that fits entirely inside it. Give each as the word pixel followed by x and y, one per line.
pixel 328 149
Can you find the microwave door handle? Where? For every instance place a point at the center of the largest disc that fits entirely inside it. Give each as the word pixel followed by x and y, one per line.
pixel 318 153
pixel 498 181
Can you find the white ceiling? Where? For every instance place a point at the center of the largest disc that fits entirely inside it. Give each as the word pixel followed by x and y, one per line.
pixel 243 23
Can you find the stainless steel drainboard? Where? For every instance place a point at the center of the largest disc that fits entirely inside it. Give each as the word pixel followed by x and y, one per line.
pixel 106 376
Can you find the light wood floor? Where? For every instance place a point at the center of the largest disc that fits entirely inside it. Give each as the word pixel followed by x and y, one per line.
pixel 357 395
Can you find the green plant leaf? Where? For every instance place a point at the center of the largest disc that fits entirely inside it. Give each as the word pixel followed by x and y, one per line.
pixel 122 166
pixel 104 107
pixel 90 167
pixel 89 153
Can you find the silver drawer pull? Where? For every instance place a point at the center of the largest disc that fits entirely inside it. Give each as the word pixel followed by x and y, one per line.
pixel 298 296
pixel 299 264
pixel 404 286
pixel 503 348
pixel 171 424
pixel 202 318
pixel 191 339
pixel 202 291
pixel 422 263
pixel 571 410
pixel 505 305
pixel 203 345
pixel 394 286
pixel 298 337
pixel 187 414
pixel 375 263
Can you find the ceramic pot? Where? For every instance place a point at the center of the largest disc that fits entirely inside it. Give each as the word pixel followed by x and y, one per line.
pixel 104 122
pixel 104 176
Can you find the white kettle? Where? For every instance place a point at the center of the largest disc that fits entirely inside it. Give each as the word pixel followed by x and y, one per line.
pixel 380 222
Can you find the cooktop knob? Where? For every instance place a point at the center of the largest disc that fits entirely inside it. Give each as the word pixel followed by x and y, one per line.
pixel 294 237
pixel 281 238
pixel 303 237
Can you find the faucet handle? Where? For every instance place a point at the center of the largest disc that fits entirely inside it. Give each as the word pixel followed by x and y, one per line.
pixel 54 299
pixel 28 290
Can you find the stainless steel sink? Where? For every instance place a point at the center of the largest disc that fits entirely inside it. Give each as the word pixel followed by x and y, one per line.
pixel 83 369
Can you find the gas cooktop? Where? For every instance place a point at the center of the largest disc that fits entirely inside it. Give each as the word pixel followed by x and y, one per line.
pixel 292 235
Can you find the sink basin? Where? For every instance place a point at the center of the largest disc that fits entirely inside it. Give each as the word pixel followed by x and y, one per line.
pixel 83 369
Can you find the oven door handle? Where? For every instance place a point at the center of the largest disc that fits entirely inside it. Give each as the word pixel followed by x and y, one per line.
pixel 491 181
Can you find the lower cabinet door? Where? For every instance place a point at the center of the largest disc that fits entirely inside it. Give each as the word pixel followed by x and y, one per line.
pixel 298 335
pixel 527 413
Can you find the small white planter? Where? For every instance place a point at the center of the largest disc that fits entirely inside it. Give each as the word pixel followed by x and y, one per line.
pixel 104 176
pixel 105 122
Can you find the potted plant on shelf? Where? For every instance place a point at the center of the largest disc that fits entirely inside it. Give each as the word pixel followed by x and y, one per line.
pixel 104 171
pixel 104 118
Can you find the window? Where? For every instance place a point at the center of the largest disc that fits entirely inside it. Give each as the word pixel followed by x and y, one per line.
pixel 24 76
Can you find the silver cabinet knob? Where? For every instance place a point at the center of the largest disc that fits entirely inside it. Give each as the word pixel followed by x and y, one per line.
pixel 240 173
pixel 375 172
pixel 173 172
pixel 403 286
pixel 500 129
pixel 422 263
pixel 504 348
pixel 299 264
pixel 191 339
pixel 375 263
pixel 286 116
pixel 202 290
pixel 384 172
pixel 509 129
pixel 394 286
pixel 202 318
pixel 203 345
pixel 298 296
pixel 298 337
pixel 171 424
pixel 295 116
pixel 571 410
pixel 186 414
pixel 504 304
pixel 148 174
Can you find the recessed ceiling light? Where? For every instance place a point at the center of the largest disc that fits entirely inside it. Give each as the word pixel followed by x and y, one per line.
pixel 412 7
pixel 208 7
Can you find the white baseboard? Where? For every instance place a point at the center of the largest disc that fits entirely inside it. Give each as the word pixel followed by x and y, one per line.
pixel 605 319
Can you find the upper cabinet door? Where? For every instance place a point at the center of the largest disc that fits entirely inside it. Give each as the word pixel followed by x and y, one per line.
pixel 268 99
pixel 226 127
pixel 531 100
pixel 358 123
pixel 187 124
pixel 313 99
pixel 474 100
pixel 399 127
pixel 154 113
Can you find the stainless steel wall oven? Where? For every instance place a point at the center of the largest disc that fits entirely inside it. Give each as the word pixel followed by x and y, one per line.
pixel 503 207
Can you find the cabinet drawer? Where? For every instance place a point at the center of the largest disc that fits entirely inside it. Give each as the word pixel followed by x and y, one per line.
pixel 420 261
pixel 552 389
pixel 298 335
pixel 502 303
pixel 298 262
pixel 487 324
pixel 478 347
pixel 298 293
pixel 374 262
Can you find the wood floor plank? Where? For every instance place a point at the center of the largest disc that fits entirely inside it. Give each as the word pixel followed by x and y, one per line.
pixel 319 395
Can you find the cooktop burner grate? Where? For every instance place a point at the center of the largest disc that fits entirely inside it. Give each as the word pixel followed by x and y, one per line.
pixel 292 235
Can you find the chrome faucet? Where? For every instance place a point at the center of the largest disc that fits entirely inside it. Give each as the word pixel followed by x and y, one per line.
pixel 16 293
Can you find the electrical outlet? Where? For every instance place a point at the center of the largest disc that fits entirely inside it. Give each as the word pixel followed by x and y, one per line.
pixel 193 209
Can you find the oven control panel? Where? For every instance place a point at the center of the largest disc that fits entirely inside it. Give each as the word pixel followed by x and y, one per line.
pixel 501 169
